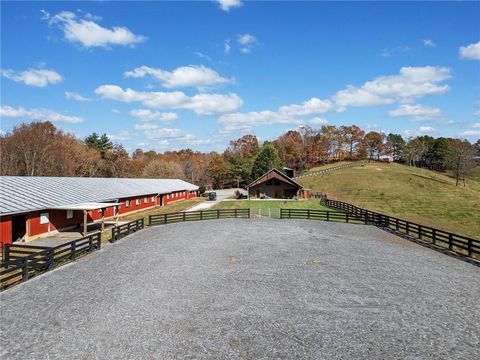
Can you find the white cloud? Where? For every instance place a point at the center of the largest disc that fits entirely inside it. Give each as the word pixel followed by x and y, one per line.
pixel 411 83
pixel 318 121
pixel 428 43
pixel 116 111
pixel 290 114
pixel 202 104
pixel 472 133
pixel 471 51
pixel 74 96
pixel 226 46
pixel 156 133
pixel 418 112
pixel 146 126
pixel 247 42
pixel 389 52
pixel 427 130
pixel 86 32
pixel 121 136
pixel 185 76
pixel 33 77
pixel 149 115
pixel 226 5
pixel 37 114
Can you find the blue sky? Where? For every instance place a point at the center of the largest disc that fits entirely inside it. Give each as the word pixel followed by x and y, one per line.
pixel 171 75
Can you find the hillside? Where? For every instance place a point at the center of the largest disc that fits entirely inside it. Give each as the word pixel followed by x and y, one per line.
pixel 410 193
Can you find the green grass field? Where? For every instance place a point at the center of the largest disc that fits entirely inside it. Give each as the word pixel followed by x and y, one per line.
pixel 269 208
pixel 410 193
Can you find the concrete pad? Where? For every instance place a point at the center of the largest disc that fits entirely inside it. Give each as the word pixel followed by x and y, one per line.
pixel 249 289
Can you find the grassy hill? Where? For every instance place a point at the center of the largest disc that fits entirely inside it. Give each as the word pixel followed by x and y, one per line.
pixel 410 193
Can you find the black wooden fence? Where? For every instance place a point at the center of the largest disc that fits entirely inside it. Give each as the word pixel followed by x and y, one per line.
pixel 126 229
pixel 22 261
pixel 457 243
pixel 334 168
pixel 323 215
pixel 198 215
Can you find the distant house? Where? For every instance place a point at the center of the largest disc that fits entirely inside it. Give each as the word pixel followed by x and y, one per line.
pixel 32 207
pixel 386 158
pixel 276 185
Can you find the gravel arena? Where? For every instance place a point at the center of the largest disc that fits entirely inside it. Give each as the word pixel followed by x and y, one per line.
pixel 249 289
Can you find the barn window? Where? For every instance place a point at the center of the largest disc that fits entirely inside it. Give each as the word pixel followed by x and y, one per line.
pixel 137 201
pixel 127 203
pixel 69 214
pixel 145 200
pixel 168 196
pixel 44 218
pixel 153 198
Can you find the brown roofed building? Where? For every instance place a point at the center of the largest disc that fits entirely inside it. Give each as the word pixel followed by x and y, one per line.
pixel 275 184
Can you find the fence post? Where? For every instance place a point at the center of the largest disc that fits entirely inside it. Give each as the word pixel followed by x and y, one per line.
pixel 289 213
pixel 165 218
pixel 469 247
pixel 407 227
pixel 184 216
pixel 90 244
pixel 434 236
pixel 51 260
pixel 235 213
pixel 150 220
pixel 420 232
pixel 328 215
pixel 450 241
pixel 201 214
pixel 396 224
pixel 218 213
pixel 6 252
pixel 308 214
pixel 25 269
pixel 281 213
pixel 72 251
pixel 99 241
pixel 248 213
pixel 346 217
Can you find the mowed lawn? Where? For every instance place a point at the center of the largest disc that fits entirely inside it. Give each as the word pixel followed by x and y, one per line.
pixel 269 207
pixel 410 193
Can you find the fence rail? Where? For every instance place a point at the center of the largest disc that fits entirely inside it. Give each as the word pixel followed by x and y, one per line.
pixel 23 261
pixel 334 168
pixel 459 244
pixel 163 219
pixel 323 215
pixel 126 229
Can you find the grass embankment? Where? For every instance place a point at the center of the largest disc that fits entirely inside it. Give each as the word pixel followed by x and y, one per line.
pixel 269 208
pixel 409 193
pixel 325 167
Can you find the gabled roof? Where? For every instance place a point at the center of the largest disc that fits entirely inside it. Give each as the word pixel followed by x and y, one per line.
pixel 28 193
pixel 274 173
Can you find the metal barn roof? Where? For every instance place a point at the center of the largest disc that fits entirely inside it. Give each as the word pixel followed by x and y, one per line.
pixel 27 193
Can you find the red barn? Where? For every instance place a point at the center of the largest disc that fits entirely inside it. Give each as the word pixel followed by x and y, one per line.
pixel 32 207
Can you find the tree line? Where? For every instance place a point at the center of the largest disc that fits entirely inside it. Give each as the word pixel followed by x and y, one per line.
pixel 40 149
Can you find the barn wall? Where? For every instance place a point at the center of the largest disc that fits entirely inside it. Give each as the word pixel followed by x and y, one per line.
pixel 5 230
pixel 270 190
pixel 58 218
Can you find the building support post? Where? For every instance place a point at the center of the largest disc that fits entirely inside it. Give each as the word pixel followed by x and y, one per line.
pixel 103 219
pixel 84 222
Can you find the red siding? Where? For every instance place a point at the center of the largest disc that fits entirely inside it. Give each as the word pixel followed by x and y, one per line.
pixel 58 218
pixel 5 230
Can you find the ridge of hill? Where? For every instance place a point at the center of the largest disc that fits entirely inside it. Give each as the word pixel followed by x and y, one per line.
pixel 414 194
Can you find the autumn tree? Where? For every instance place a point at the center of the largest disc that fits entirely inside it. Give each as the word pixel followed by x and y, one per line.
pixel 374 144
pixel 159 169
pixel 218 171
pixel 396 146
pixel 461 159
pixel 353 136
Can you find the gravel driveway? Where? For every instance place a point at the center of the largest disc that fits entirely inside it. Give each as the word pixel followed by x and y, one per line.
pixel 249 289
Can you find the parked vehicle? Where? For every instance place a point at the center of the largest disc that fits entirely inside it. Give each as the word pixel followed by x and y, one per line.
pixel 212 196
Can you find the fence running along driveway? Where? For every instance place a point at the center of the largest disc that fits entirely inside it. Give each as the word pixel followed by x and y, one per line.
pixel 198 215
pixel 126 229
pixel 22 262
pixel 459 244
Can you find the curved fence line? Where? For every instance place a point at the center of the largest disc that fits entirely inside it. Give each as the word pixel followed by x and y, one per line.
pixel 320 172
